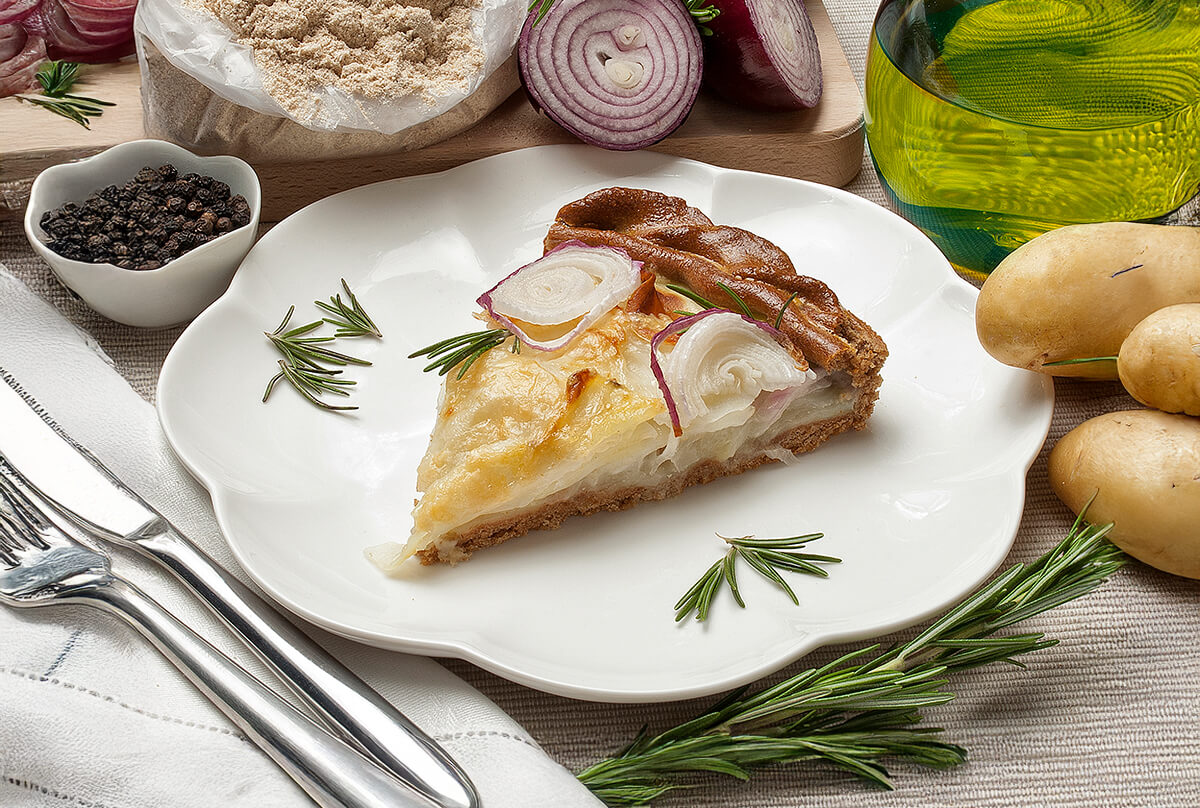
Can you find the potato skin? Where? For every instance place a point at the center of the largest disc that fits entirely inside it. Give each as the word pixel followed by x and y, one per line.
pixel 1144 468
pixel 1159 363
pixel 1073 293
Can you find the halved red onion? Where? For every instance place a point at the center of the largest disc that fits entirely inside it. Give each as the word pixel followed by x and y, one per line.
pixel 567 290
pixel 16 10
pixel 621 74
pixel 763 53
pixel 750 354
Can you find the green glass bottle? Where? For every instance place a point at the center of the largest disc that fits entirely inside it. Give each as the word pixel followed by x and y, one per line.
pixel 992 121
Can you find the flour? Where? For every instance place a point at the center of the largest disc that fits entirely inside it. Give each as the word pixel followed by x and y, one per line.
pixel 376 49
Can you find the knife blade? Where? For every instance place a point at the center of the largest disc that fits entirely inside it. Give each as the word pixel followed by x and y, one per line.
pixel 64 471
pixel 90 496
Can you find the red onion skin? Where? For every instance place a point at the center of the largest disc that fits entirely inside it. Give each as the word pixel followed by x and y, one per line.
pixel 12 11
pixel 64 40
pixel 546 102
pixel 12 41
pixel 18 71
pixel 740 70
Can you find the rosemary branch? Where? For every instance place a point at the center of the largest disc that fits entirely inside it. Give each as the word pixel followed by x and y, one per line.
pixel 56 79
pixel 737 299
pixel 306 357
pixel 766 557
pixel 1080 361
pixel 464 350
pixel 349 319
pixel 864 707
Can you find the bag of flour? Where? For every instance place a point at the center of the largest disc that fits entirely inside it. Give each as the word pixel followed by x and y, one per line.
pixel 311 79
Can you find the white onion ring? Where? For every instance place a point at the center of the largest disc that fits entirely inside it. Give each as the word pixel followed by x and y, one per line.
pixel 572 283
pixel 722 355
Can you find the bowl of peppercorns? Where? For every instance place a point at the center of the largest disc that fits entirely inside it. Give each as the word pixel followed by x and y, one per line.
pixel 146 233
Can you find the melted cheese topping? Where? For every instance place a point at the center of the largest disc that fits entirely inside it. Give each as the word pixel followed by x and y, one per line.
pixel 521 430
pixel 518 424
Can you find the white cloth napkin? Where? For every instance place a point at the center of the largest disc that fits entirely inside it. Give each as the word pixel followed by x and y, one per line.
pixel 92 716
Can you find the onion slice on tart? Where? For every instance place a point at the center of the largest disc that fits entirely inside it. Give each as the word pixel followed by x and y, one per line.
pixel 549 302
pixel 720 364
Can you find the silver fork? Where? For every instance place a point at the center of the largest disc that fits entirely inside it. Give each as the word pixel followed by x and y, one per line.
pixel 41 564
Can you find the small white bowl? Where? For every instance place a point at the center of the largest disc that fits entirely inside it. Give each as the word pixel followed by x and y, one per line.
pixel 180 289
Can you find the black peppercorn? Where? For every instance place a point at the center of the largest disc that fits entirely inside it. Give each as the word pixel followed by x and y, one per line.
pixel 148 222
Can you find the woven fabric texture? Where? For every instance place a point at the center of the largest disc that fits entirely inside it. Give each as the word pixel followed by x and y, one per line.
pixel 1108 717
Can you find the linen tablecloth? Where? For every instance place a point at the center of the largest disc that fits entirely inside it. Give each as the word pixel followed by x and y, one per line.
pixel 1109 717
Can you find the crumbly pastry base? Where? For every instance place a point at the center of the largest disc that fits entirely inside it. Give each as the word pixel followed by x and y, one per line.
pixel 868 357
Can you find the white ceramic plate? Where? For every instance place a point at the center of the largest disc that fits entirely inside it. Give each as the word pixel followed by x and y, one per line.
pixel 922 505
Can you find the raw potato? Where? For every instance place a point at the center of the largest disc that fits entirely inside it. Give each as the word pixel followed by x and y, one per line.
pixel 1144 468
pixel 1159 361
pixel 1078 291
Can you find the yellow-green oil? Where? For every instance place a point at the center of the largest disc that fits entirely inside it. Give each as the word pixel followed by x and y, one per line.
pixel 992 122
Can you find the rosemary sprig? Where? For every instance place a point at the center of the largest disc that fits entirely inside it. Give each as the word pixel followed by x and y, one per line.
pixel 349 319
pixel 766 557
pixel 1081 361
pixel 56 79
pixel 304 351
pixel 864 707
pixel 306 356
pixel 705 303
pixel 783 309
pixel 702 12
pixel 311 383
pixel 464 350
pixel 695 297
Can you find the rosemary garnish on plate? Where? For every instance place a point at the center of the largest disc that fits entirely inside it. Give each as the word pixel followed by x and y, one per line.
pixel 307 357
pixel 765 556
pixel 349 318
pixel 57 78
pixel 464 350
pixel 864 707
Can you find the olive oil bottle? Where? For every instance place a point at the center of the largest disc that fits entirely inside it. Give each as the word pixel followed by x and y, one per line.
pixel 992 122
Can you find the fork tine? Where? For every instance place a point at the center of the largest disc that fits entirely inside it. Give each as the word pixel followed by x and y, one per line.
pixel 23 518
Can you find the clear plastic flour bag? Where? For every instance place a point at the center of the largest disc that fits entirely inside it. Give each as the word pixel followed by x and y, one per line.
pixel 206 91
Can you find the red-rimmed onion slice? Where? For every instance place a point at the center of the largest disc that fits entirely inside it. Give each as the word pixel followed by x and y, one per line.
pixel 764 53
pixel 548 302
pixel 720 365
pixel 621 74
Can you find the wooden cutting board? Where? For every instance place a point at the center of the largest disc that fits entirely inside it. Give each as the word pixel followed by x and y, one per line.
pixel 823 144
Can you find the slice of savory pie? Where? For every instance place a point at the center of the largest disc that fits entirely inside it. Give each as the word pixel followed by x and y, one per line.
pixel 647 351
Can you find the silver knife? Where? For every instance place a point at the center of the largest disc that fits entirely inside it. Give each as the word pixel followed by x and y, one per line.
pixel 88 494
